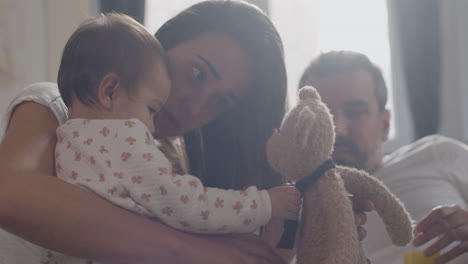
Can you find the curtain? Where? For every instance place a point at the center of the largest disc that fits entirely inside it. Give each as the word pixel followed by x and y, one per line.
pixel 133 8
pixel 417 33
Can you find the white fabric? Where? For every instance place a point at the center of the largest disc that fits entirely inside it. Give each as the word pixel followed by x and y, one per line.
pixel 44 93
pixel 119 160
pixel 14 250
pixel 430 172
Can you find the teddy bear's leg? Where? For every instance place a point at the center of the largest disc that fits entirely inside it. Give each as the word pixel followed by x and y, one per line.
pixel 314 243
pixel 328 234
pixel 390 208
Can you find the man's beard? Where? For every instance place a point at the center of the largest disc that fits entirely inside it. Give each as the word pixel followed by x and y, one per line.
pixel 358 157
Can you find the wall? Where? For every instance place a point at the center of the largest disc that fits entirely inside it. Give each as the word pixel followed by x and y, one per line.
pixel 22 47
pixel 32 36
pixel 63 17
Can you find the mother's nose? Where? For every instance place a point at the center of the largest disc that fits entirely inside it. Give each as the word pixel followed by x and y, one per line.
pixel 200 99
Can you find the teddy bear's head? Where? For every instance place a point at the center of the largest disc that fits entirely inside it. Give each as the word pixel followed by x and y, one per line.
pixel 305 139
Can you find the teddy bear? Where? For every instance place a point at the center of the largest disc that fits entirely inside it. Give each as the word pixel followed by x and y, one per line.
pixel 300 151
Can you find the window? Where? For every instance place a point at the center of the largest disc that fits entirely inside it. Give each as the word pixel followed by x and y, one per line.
pixel 309 27
pixel 157 12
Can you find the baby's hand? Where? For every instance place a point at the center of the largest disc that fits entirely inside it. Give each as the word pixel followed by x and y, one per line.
pixel 285 202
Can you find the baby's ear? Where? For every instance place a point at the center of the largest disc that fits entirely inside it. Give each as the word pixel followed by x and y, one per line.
pixel 107 89
pixel 304 125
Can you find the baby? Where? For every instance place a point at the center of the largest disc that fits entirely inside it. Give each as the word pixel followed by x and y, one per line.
pixel 114 78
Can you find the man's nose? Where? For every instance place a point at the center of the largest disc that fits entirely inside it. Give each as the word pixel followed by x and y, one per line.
pixel 341 124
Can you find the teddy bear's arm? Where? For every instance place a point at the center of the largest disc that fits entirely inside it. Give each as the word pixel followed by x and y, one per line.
pixel 392 211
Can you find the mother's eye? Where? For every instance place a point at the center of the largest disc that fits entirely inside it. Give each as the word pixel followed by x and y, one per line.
pixel 198 73
pixel 152 110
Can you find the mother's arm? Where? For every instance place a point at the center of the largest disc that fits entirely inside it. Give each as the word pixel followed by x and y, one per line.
pixel 60 216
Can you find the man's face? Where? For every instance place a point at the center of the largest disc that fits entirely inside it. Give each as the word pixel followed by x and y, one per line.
pixel 360 128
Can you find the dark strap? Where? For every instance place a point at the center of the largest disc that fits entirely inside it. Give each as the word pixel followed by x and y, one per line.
pixel 290 226
pixel 289 234
pixel 308 181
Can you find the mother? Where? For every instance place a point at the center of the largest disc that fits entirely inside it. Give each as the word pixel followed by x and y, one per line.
pixel 229 89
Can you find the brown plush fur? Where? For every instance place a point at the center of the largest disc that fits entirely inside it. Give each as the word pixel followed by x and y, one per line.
pixel 327 232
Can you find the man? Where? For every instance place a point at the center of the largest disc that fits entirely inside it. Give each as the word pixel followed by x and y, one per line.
pixel 430 176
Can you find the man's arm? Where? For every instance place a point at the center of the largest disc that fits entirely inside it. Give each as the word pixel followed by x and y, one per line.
pixel 57 215
pixel 448 224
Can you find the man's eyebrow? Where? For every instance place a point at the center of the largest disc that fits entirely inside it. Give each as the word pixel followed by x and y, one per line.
pixel 211 67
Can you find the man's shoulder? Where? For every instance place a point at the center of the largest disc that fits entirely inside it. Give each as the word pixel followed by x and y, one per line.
pixel 428 149
pixel 432 143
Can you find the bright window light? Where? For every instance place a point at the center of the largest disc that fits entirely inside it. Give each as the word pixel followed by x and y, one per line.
pixel 157 12
pixel 309 27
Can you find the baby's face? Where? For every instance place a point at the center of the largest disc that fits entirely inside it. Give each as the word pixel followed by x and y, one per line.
pixel 148 97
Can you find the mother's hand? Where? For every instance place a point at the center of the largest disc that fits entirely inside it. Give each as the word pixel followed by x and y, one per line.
pixel 450 224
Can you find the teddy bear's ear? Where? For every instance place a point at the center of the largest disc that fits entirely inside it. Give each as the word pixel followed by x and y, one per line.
pixel 308 92
pixel 303 127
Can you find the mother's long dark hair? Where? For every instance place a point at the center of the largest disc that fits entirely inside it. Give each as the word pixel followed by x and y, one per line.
pixel 230 151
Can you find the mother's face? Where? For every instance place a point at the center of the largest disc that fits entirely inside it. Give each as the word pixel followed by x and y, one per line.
pixel 209 76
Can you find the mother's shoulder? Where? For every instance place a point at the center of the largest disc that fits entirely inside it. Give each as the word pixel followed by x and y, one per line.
pixel 41 88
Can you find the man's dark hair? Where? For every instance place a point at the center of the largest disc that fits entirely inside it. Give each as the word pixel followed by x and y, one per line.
pixel 339 62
